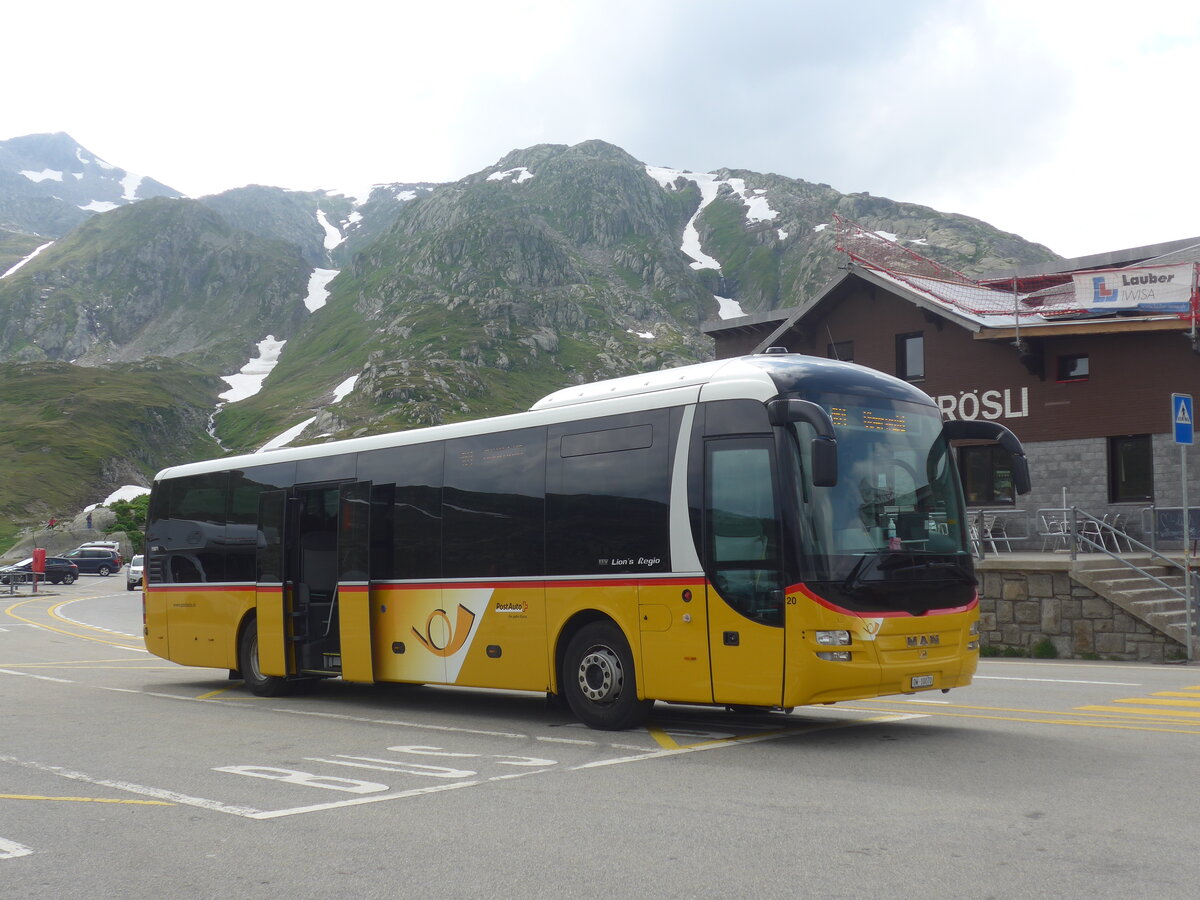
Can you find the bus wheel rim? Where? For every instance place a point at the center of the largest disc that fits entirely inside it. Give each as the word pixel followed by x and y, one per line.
pixel 601 675
pixel 252 661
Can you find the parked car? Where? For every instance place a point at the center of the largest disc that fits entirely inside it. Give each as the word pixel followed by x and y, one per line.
pixel 96 560
pixel 58 571
pixel 104 545
pixel 133 575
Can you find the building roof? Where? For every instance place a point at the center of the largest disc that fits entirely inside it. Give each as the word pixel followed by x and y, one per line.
pixel 1029 301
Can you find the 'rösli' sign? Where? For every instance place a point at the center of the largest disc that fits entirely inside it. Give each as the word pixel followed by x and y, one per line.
pixel 1150 288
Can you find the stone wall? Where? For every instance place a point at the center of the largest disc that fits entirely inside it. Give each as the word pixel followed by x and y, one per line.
pixel 1021 606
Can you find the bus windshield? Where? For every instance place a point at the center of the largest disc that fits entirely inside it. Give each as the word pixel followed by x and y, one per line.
pixel 895 517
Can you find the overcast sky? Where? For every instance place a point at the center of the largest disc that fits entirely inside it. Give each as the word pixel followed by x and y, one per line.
pixel 1072 124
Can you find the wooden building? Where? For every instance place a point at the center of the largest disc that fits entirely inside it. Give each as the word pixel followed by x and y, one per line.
pixel 1086 387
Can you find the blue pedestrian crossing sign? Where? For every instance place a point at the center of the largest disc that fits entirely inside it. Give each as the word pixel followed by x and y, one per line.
pixel 1181 415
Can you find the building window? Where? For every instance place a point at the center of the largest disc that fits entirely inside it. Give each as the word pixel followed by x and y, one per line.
pixel 841 350
pixel 986 476
pixel 1073 368
pixel 1130 468
pixel 910 356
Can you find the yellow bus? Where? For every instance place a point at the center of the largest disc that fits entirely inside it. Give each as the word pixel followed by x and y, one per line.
pixel 768 531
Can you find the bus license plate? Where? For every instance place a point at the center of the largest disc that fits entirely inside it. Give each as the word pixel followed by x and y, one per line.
pixel 922 681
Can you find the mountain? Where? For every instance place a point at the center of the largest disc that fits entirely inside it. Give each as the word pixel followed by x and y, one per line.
pixel 317 222
pixel 156 278
pixel 421 303
pixel 72 434
pixel 49 184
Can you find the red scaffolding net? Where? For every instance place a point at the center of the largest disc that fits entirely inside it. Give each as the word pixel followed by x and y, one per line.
pixel 1045 296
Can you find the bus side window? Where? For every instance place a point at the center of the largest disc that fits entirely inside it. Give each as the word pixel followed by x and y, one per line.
pixel 493 505
pixel 608 495
pixel 406 531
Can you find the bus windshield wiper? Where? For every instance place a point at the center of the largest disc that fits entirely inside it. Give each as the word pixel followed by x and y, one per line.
pixel 933 567
pixel 854 580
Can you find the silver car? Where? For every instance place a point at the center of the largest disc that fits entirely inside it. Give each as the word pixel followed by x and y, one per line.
pixel 133 575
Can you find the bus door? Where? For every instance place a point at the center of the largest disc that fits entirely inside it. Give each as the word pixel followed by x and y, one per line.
pixel 326 570
pixel 353 595
pixel 270 584
pixel 743 564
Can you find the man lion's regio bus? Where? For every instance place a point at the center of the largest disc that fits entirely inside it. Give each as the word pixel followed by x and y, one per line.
pixel 769 531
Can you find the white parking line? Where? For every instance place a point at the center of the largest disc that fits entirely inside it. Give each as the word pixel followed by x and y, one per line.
pixel 11 849
pixel 979 677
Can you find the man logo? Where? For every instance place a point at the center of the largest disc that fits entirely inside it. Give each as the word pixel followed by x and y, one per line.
pixel 1101 292
pixel 440 638
pixel 923 640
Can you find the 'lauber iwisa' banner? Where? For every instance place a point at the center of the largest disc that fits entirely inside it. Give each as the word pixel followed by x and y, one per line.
pixel 1152 288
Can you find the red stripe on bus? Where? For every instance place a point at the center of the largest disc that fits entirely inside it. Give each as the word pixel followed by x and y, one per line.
pixel 821 601
pixel 447 585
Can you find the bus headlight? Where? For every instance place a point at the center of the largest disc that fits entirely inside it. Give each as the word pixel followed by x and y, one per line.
pixel 834 655
pixel 833 638
pixel 974 629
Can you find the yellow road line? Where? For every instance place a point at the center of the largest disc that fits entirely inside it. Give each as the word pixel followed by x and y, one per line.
pixel 86 800
pixel 86 637
pixel 1048 720
pixel 938 709
pixel 69 662
pixel 663 739
pixel 1134 711
pixel 223 690
pixel 1154 701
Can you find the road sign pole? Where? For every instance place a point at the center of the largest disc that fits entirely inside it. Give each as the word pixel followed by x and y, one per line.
pixel 1183 422
pixel 1187 558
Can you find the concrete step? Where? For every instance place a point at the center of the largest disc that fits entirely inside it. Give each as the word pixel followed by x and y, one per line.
pixel 1144 589
pixel 1134 584
pixel 1111 571
pixel 1151 606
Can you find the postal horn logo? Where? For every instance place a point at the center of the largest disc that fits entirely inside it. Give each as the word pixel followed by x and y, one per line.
pixel 441 638
pixel 1101 292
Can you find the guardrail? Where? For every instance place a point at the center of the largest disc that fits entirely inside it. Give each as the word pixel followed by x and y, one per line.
pixel 1166 523
pixel 11 581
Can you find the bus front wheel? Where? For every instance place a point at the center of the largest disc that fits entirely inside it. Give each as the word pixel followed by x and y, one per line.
pixel 598 679
pixel 258 683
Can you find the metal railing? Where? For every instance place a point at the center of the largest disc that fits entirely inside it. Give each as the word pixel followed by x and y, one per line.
pixel 1091 533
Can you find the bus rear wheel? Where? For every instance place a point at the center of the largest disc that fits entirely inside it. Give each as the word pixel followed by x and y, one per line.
pixel 598 679
pixel 258 683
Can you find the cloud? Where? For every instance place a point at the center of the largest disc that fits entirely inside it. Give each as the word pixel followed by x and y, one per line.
pixel 1073 130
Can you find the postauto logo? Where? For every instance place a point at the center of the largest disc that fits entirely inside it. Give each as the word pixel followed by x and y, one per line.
pixel 1101 292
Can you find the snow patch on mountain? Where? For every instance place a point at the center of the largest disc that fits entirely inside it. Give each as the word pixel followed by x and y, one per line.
pixel 44 175
pixel 318 288
pixel 248 380
pixel 516 176
pixel 729 309
pixel 333 237
pixel 282 440
pixel 340 392
pixel 27 259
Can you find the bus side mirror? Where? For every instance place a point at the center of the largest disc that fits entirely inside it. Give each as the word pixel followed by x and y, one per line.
pixel 824 445
pixel 963 430
pixel 824 462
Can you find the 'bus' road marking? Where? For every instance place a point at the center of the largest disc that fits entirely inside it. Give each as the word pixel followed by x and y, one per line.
pixel 11 849
pixel 345 784
pixel 1056 680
